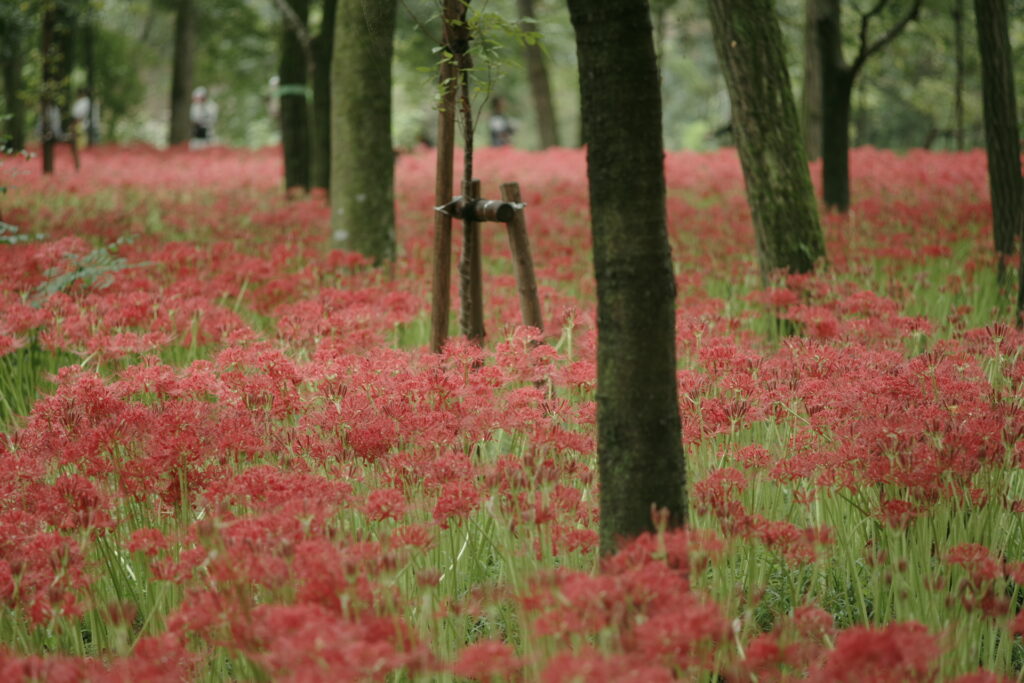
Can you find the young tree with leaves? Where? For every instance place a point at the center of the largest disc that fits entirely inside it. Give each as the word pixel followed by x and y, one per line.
pixel 837 86
pixel 362 158
pixel 640 455
pixel 764 120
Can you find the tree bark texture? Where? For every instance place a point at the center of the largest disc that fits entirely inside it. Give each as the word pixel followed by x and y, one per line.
pixel 362 159
pixel 181 77
pixel 640 456
pixel 750 49
pixel 12 62
pixel 295 133
pixel 540 85
pixel 1001 137
pixel 811 94
pixel 323 46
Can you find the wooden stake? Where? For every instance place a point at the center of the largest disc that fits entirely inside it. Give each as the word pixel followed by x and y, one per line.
pixel 519 243
pixel 471 274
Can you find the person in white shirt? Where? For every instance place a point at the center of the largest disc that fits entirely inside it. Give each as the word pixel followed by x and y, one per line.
pixel 500 126
pixel 84 118
pixel 203 114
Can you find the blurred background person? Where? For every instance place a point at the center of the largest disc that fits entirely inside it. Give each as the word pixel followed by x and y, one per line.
pixel 203 114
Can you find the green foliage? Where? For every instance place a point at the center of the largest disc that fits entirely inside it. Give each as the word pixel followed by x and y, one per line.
pixel 94 269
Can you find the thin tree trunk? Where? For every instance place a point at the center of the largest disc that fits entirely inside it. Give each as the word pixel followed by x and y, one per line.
pixel 837 91
pixel 91 133
pixel 640 457
pixel 958 96
pixel 540 87
pixel 362 171
pixel 811 95
pixel 181 78
pixel 49 89
pixel 55 45
pixel 750 49
pixel 294 102
pixel 323 46
pixel 15 126
pixel 455 41
pixel 1001 136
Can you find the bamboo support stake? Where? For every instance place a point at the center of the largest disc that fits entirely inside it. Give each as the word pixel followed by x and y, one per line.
pixel 519 243
pixel 471 272
pixel 443 221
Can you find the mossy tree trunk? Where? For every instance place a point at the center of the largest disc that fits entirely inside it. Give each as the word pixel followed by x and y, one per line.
pixel 640 456
pixel 750 50
pixel 323 46
pixel 181 77
pixel 295 133
pixel 540 84
pixel 362 158
pixel 1001 133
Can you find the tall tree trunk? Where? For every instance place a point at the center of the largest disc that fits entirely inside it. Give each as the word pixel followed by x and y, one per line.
pixel 295 133
pixel 640 456
pixel 15 126
pixel 55 45
pixel 837 87
pixel 323 46
pixel 181 78
pixel 362 159
pixel 958 96
pixel 836 92
pixel 750 49
pixel 811 94
pixel 89 36
pixel 540 87
pixel 1001 137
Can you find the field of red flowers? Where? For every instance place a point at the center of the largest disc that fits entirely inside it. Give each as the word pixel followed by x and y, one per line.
pixel 226 454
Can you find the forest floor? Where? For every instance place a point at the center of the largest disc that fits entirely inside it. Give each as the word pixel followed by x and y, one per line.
pixel 226 453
